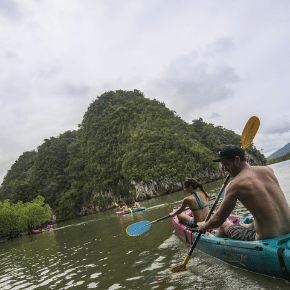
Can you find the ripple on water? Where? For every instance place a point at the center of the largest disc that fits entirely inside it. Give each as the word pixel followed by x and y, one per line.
pixel 93 285
pixel 96 275
pixel 115 286
pixel 172 242
pixel 134 278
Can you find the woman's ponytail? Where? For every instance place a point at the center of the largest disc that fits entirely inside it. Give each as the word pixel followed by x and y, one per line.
pixel 199 185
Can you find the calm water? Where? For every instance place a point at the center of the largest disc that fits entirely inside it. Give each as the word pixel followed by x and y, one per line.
pixel 94 252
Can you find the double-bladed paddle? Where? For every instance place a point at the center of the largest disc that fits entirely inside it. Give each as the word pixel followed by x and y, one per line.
pixel 248 135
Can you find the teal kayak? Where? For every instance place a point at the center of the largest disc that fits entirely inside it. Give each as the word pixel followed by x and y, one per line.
pixel 269 257
pixel 130 211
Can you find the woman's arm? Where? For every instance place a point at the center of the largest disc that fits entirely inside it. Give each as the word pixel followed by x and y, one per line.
pixel 181 209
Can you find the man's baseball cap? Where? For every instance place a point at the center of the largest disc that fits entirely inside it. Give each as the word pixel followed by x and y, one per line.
pixel 230 152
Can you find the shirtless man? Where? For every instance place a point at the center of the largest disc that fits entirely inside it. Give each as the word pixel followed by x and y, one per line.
pixel 257 188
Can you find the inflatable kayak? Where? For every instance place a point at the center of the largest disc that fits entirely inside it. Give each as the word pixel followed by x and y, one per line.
pixel 41 231
pixel 269 257
pixel 130 211
pixel 48 229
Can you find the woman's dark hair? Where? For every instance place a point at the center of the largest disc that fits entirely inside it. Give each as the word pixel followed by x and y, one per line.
pixel 195 184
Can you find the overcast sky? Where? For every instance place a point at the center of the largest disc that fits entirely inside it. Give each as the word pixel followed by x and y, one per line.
pixel 223 61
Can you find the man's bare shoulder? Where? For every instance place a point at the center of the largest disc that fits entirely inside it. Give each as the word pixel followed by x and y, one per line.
pixel 262 168
pixel 245 181
pixel 241 183
pixel 233 187
pixel 262 172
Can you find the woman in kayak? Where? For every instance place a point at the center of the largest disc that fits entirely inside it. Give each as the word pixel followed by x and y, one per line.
pixel 124 207
pixel 198 202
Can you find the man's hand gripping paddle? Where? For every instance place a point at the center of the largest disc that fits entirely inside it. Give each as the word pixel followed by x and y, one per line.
pixel 248 135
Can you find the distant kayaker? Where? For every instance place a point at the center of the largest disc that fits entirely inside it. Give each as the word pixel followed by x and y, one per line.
pixel 198 202
pixel 257 188
pixel 124 207
pixel 136 204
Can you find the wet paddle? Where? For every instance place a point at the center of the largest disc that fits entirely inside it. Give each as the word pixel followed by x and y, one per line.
pixel 248 135
pixel 140 228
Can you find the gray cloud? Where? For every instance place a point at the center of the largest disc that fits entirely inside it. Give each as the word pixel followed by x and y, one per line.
pixel 75 90
pixel 280 127
pixel 198 80
pixel 10 55
pixel 214 115
pixel 50 72
pixel 10 9
pixel 221 46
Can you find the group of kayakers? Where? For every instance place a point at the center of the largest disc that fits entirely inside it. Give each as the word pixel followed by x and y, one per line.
pixel 125 208
pixel 256 187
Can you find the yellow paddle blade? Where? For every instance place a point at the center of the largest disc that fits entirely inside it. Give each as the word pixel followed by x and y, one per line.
pixel 182 267
pixel 116 204
pixel 250 131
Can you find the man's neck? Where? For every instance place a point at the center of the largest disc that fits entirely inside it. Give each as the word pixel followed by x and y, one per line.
pixel 244 166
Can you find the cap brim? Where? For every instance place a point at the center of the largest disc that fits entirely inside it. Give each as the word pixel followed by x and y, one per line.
pixel 217 159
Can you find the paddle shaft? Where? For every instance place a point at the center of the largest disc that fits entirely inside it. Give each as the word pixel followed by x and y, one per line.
pixel 161 219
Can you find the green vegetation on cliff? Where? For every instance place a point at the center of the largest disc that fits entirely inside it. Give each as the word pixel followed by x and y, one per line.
pixel 123 137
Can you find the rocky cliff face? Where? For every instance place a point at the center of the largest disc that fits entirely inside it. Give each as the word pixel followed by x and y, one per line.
pixel 156 188
pixel 252 160
pixel 151 189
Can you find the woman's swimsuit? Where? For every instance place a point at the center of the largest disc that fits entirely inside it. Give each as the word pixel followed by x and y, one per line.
pixel 201 206
pixel 191 222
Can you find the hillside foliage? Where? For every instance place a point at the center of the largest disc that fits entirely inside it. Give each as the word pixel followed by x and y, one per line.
pixel 123 137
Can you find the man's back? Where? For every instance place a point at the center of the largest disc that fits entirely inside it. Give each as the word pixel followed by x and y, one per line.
pixel 258 190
